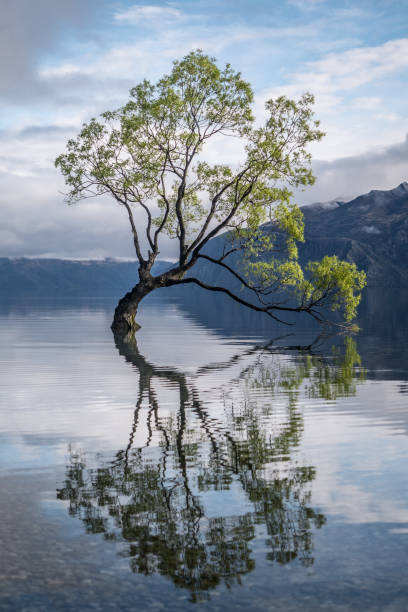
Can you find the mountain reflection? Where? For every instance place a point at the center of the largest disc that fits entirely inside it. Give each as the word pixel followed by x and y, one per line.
pixel 190 500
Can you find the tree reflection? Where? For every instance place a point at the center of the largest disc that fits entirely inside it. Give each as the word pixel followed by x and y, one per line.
pixel 167 499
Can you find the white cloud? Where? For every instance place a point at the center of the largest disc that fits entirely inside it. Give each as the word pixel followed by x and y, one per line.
pixel 137 14
pixel 306 4
pixel 347 121
pixel 143 58
pixel 66 69
pixel 337 73
pixel 381 168
pixel 356 67
pixel 34 219
pixel 366 103
pixel 388 117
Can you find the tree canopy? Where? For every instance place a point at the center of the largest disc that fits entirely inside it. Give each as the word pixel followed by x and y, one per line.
pixel 150 156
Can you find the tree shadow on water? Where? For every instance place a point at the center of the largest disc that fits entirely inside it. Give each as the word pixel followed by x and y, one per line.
pixel 191 491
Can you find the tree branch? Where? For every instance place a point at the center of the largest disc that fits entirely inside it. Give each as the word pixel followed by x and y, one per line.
pixel 132 223
pixel 264 309
pixel 210 215
pixel 219 262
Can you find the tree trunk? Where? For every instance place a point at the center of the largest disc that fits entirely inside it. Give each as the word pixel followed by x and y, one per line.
pixel 124 320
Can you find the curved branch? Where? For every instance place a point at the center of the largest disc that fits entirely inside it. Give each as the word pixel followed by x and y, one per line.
pixel 219 262
pixel 166 212
pixel 210 215
pixel 131 221
pixel 149 224
pixel 264 309
pixel 221 225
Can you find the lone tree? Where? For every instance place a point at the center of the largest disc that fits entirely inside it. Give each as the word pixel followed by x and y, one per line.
pixel 149 156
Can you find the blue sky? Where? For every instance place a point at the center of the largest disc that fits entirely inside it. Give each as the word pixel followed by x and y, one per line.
pixel 68 61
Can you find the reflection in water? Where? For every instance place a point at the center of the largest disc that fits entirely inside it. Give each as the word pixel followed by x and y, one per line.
pixel 156 496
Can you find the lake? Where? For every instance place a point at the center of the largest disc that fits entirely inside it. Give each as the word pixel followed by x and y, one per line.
pixel 211 464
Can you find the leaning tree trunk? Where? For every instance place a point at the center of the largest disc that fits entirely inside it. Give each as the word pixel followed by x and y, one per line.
pixel 124 320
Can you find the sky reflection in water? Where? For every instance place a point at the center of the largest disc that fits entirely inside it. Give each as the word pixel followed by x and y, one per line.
pixel 202 464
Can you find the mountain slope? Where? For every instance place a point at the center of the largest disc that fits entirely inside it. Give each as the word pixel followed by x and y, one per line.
pixel 371 231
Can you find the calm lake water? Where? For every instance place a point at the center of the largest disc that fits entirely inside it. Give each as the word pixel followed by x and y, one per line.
pixel 209 466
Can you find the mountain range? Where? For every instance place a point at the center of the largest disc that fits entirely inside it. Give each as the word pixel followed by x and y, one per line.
pixel 370 230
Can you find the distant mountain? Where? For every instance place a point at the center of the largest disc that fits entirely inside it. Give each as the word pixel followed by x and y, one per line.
pixel 68 278
pixel 371 230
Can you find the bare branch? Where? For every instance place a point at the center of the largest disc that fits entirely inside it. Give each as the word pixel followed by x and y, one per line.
pixel 132 223
pixel 265 309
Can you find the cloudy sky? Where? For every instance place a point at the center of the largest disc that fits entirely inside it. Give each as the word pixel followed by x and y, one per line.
pixel 64 61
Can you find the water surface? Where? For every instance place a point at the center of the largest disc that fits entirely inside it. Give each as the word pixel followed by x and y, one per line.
pixel 210 465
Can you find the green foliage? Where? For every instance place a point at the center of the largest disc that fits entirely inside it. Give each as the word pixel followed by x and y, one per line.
pixel 336 283
pixel 149 156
